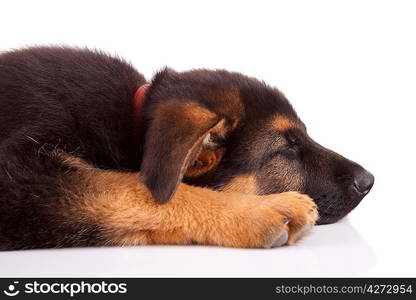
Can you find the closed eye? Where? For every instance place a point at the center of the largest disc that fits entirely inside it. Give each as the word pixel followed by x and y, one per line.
pixel 289 151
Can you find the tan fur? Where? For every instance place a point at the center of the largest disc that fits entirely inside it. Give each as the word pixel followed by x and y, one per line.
pixel 245 184
pixel 206 161
pixel 283 123
pixel 188 113
pixel 121 204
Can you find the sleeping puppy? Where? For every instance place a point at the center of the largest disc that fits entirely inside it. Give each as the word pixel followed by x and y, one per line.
pixel 92 155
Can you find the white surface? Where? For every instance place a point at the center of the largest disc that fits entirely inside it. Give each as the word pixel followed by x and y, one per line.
pixel 349 69
pixel 345 253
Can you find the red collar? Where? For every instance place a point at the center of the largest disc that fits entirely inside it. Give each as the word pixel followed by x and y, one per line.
pixel 138 101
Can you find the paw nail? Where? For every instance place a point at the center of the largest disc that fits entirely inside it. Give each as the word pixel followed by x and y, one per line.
pixel 281 240
pixel 303 232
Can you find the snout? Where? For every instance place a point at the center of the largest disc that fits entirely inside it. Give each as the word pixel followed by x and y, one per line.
pixel 337 203
pixel 336 183
pixel 363 182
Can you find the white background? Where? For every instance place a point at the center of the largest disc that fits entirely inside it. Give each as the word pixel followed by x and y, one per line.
pixel 349 68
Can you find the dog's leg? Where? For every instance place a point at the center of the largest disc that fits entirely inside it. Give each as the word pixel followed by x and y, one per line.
pixel 121 205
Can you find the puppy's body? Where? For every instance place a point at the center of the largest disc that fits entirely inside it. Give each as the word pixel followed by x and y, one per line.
pixel 75 100
pixel 54 98
pixel 70 150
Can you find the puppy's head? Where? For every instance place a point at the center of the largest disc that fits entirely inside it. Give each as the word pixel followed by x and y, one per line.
pixel 230 132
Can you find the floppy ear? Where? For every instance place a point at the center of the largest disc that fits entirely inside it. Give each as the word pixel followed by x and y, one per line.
pixel 174 138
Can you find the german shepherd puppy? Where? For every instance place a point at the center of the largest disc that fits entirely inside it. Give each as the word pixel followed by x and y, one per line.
pixel 91 155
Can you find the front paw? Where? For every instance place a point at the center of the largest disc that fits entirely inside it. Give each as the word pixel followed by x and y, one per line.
pixel 301 211
pixel 273 220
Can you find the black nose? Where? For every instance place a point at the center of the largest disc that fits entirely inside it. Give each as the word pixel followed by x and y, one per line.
pixel 363 182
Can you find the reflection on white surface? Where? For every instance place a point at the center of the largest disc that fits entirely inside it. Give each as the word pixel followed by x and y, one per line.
pixel 332 250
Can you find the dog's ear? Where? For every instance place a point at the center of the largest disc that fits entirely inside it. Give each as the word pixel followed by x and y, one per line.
pixel 178 134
